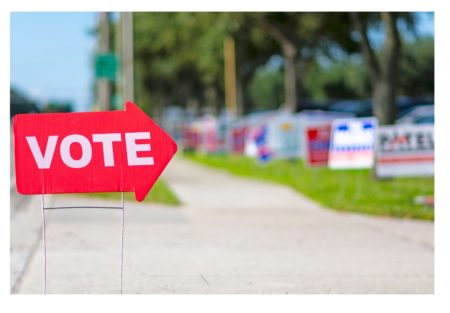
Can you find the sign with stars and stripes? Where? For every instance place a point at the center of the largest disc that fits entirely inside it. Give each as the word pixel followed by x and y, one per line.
pixel 352 143
pixel 318 144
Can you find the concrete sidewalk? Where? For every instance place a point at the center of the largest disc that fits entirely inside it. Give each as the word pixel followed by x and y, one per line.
pixel 231 235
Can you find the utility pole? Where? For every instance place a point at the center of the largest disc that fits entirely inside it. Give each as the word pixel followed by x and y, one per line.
pixel 127 56
pixel 230 76
pixel 103 85
pixel 118 51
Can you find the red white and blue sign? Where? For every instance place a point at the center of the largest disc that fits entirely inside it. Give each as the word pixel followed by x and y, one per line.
pixel 260 137
pixel 352 143
pixel 238 137
pixel 318 144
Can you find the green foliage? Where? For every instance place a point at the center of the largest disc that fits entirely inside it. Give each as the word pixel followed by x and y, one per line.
pixel 347 77
pixel 160 193
pixel 417 68
pixel 179 57
pixel 342 79
pixel 343 190
pixel 266 89
pixel 58 107
pixel 20 103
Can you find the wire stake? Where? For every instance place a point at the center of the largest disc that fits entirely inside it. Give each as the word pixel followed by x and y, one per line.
pixel 45 245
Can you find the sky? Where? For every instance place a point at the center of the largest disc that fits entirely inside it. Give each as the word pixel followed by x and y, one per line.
pixel 52 55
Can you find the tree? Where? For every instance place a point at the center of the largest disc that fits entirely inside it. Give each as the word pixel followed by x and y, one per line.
pixel 21 103
pixel 266 89
pixel 383 70
pixel 57 107
pixel 253 49
pixel 282 27
pixel 345 78
pixel 301 36
pixel 417 68
pixel 179 58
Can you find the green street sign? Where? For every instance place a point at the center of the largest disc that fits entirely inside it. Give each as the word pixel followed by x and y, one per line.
pixel 106 66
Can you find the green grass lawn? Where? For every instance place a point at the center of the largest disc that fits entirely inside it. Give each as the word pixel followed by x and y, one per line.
pixel 342 190
pixel 160 193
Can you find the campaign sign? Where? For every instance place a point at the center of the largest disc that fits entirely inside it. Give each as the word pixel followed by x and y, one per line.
pixel 191 137
pixel 257 144
pixel 352 143
pixel 208 134
pixel 238 136
pixel 310 118
pixel 405 150
pixel 284 136
pixel 89 152
pixel 264 153
pixel 223 125
pixel 318 144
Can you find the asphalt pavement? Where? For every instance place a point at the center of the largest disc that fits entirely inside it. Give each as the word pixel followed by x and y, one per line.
pixel 231 235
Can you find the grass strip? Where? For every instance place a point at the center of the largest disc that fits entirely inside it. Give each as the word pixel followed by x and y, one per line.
pixel 341 190
pixel 160 193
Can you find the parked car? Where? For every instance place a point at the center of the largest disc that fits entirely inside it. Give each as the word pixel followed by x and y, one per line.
pixel 363 108
pixel 406 104
pixel 422 114
pixel 311 105
pixel 360 108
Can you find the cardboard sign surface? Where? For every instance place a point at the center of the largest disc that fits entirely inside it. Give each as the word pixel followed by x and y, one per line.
pixel 257 144
pixel 318 144
pixel 405 150
pixel 313 118
pixel 352 143
pixel 89 152
pixel 284 136
pixel 238 137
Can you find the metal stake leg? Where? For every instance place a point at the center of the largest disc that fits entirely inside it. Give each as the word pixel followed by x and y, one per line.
pixel 45 246
pixel 121 256
pixel 81 207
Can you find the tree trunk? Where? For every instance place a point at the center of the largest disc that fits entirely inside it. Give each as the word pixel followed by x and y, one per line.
pixel 290 80
pixel 386 93
pixel 239 95
pixel 384 106
pixel 289 51
pixel 383 72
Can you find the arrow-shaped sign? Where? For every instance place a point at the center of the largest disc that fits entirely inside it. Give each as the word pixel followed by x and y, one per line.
pixel 89 152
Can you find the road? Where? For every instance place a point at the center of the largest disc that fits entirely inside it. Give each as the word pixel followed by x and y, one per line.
pixel 231 235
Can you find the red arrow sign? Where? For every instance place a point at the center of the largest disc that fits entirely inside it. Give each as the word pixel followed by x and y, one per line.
pixel 89 152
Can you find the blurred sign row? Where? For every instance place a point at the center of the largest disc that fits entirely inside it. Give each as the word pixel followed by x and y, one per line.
pixel 321 138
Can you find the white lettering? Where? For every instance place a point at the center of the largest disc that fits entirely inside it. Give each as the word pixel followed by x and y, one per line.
pixel 86 151
pixel 107 143
pixel 133 148
pixel 42 161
